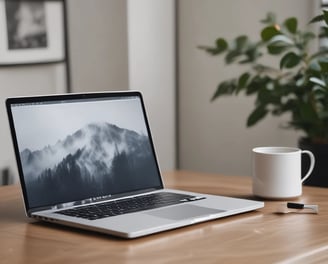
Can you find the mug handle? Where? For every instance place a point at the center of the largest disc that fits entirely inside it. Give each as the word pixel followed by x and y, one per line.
pixel 312 162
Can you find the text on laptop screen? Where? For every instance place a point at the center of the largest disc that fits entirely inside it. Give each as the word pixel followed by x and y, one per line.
pixel 81 149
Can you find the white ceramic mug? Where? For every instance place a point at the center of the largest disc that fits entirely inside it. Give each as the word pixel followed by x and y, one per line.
pixel 277 172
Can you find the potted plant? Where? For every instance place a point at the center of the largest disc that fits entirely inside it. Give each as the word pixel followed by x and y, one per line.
pixel 298 85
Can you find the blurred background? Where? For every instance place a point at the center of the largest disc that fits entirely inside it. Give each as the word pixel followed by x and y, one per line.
pixel 151 45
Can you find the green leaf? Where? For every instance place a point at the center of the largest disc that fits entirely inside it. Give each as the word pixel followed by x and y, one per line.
pixel 269 32
pixel 277 48
pixel 221 44
pixel 325 16
pixel 231 56
pixel 307 113
pixel 279 44
pixel 255 85
pixel 224 88
pixel 291 25
pixel 314 66
pixel 243 80
pixel 323 32
pixel 251 54
pixel 266 96
pixel 258 114
pixel 316 19
pixel 210 50
pixel 318 81
pixel 241 42
pixel 324 66
pixel 260 68
pixel 308 36
pixel 290 60
pixel 282 39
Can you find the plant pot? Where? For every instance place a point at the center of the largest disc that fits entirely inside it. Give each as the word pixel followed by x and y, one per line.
pixel 319 176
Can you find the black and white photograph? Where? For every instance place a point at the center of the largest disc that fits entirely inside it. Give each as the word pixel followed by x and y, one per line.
pixel 77 156
pixel 26 24
pixel 31 31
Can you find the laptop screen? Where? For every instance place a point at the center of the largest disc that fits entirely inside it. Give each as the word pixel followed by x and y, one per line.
pixel 81 148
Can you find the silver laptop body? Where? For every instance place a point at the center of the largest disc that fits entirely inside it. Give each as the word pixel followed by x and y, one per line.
pixel 77 153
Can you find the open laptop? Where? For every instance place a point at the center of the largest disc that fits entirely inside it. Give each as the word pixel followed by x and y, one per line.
pixel 88 161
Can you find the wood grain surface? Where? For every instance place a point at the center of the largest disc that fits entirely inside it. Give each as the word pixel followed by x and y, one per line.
pixel 261 236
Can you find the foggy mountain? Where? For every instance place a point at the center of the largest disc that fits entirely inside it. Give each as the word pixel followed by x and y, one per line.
pixel 98 159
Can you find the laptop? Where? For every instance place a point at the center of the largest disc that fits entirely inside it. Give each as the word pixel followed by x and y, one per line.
pixel 88 161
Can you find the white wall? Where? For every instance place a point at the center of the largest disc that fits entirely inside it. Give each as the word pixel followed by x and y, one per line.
pixel 151 40
pixel 213 136
pixel 98 45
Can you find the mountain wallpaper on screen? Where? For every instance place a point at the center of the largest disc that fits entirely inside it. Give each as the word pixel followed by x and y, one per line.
pixel 97 160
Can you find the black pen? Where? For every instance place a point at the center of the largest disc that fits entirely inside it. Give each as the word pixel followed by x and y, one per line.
pixel 313 207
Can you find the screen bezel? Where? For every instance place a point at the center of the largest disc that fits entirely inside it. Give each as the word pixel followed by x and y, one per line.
pixel 66 97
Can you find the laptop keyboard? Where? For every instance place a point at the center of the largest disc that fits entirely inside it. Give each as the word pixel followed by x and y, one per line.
pixel 128 205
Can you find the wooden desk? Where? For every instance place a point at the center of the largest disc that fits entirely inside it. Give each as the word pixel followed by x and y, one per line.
pixel 256 237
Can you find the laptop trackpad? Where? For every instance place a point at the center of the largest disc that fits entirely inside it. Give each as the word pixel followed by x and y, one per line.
pixel 183 212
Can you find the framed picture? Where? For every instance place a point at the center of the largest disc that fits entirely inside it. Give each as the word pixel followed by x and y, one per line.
pixel 31 31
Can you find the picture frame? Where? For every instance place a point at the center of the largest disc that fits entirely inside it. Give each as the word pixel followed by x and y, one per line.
pixel 32 32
